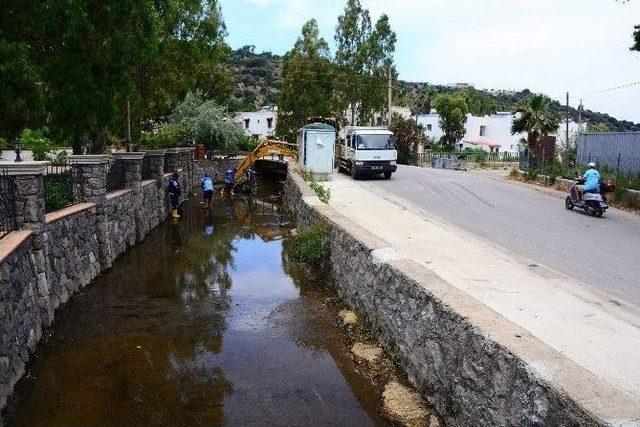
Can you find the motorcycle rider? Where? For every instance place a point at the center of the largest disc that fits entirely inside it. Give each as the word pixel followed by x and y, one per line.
pixel 591 181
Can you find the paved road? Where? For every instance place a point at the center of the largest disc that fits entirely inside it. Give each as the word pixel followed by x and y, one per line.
pixel 604 253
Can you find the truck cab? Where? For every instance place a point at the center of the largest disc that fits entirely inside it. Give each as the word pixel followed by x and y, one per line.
pixel 367 151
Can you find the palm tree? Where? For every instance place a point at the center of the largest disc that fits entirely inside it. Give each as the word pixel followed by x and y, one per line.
pixel 535 118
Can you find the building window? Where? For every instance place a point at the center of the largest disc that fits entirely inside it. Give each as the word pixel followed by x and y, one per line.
pixel 428 128
pixel 246 123
pixel 483 130
pixel 270 122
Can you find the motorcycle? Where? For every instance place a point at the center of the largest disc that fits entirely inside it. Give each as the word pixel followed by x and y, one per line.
pixel 594 203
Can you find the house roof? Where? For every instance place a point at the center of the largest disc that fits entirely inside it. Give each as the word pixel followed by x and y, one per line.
pixel 484 143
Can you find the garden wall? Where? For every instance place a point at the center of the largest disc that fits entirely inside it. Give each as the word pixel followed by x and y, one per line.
pixel 474 366
pixel 42 265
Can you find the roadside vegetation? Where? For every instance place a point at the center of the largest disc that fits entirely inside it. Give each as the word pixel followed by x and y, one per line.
pixel 323 193
pixel 310 246
pixel 619 198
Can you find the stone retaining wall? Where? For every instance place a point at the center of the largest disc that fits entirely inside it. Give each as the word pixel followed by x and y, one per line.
pixel 54 255
pixel 216 167
pixel 471 364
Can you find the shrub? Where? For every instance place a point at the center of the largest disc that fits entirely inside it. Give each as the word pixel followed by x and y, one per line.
pixel 37 142
pixel 4 144
pixel 311 246
pixel 58 191
pixel 246 143
pixel 168 136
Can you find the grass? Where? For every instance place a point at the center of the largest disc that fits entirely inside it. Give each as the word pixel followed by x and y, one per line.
pixel 311 246
pixel 324 194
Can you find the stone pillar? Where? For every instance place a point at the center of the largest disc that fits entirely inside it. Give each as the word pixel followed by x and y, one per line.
pixel 28 210
pixel 156 163
pixel 156 171
pixel 191 166
pixel 89 173
pixel 171 160
pixel 131 164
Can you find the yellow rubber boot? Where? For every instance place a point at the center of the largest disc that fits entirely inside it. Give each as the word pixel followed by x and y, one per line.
pixel 174 213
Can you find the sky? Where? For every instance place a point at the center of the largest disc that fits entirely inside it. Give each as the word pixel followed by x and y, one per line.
pixel 548 46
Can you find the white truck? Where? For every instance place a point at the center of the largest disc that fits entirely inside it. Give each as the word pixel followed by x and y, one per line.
pixel 366 150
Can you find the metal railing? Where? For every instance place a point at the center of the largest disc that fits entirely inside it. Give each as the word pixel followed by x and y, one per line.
pixel 426 158
pixel 146 168
pixel 115 175
pixel 58 185
pixel 7 215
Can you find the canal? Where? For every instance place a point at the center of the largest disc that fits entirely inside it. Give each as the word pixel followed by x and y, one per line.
pixel 203 323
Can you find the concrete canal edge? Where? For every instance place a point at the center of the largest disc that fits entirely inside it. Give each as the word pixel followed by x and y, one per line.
pixel 473 365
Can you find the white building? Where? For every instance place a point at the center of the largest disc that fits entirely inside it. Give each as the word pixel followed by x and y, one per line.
pixel 258 124
pixel 491 133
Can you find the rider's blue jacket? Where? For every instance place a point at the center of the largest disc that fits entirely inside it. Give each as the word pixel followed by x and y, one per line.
pixel 591 180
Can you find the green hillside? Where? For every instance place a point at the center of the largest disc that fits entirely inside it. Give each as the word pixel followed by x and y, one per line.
pixel 258 79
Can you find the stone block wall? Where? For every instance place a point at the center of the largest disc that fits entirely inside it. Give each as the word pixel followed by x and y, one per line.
pixel 470 363
pixel 216 167
pixel 51 256
pixel 20 321
pixel 73 252
pixel 121 219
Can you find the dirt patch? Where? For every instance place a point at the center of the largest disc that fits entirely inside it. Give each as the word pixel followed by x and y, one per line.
pixel 368 352
pixel 406 407
pixel 348 317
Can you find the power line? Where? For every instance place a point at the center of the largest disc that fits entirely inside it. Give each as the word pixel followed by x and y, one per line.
pixel 624 86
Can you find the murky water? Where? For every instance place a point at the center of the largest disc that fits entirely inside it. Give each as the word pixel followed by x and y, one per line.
pixel 201 324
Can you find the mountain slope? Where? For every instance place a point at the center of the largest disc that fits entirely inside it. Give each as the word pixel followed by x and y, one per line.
pixel 258 80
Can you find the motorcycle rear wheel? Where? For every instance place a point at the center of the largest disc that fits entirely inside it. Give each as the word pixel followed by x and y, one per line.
pixel 568 203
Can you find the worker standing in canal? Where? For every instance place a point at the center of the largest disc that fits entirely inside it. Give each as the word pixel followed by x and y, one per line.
pixel 229 181
pixel 207 190
pixel 174 194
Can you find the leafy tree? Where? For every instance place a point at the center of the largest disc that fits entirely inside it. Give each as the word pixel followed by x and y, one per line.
pixel 307 82
pixel 424 100
pixel 452 110
pixel 21 101
pixel 535 118
pixel 207 124
pixel 92 57
pixel 408 136
pixel 480 103
pixel 364 58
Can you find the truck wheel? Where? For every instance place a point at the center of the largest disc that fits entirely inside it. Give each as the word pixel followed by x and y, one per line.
pixel 387 175
pixel 354 175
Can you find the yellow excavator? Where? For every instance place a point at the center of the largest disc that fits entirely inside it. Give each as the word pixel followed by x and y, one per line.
pixel 265 148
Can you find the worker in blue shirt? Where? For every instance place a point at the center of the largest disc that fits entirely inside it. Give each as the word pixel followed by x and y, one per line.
pixel 229 181
pixel 207 189
pixel 591 181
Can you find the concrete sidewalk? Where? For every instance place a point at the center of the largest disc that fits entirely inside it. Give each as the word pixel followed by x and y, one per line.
pixel 585 325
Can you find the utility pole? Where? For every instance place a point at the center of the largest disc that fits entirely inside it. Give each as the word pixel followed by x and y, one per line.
pixel 389 96
pixel 567 125
pixel 127 134
pixel 580 108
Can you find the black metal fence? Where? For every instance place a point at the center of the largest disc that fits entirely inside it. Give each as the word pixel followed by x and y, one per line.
pixel 115 175
pixel 146 168
pixel 7 216
pixel 58 186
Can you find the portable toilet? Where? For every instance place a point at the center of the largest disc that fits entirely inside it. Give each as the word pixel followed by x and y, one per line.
pixel 316 152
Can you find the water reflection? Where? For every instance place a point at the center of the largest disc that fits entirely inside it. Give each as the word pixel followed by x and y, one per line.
pixel 200 325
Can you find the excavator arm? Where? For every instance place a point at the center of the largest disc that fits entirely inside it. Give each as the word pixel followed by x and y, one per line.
pixel 264 149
